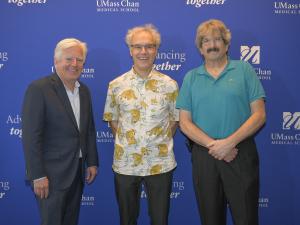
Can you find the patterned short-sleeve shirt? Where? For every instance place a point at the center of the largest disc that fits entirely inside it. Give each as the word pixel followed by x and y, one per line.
pixel 143 109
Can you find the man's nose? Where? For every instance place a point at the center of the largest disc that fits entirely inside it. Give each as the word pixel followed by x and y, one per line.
pixel 143 49
pixel 75 62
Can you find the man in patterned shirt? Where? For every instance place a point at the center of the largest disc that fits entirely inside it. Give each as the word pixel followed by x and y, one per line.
pixel 140 108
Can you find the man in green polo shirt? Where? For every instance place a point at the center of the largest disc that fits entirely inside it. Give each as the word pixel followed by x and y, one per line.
pixel 221 107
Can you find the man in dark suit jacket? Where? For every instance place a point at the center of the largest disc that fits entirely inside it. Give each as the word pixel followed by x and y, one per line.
pixel 59 136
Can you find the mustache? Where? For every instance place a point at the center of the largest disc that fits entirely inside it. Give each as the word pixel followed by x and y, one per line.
pixel 215 49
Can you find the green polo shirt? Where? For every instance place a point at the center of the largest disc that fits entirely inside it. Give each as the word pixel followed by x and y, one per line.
pixel 220 106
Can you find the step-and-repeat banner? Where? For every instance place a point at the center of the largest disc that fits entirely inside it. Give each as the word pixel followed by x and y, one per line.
pixel 265 33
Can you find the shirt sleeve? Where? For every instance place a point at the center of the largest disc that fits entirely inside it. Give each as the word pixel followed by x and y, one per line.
pixel 253 84
pixel 110 109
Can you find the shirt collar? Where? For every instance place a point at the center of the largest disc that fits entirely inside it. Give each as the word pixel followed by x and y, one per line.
pixel 77 84
pixel 135 76
pixel 202 71
pixel 76 88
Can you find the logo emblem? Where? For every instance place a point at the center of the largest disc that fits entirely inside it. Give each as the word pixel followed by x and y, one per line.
pixel 252 54
pixel 291 120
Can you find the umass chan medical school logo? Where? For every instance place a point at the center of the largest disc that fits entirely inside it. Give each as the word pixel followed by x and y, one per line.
pixel 290 134
pixel 87 73
pixel 105 135
pixel 286 8
pixel 118 6
pixel 291 120
pixel 252 54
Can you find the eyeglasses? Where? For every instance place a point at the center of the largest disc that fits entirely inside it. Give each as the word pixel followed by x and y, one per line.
pixel 71 59
pixel 147 47
pixel 216 40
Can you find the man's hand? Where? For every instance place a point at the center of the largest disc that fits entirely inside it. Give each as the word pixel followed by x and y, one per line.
pixel 222 150
pixel 91 173
pixel 231 155
pixel 41 187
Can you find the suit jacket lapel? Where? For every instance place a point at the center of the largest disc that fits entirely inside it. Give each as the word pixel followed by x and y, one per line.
pixel 62 94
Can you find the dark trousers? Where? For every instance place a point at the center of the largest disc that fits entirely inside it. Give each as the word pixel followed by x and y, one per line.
pixel 218 183
pixel 128 192
pixel 62 206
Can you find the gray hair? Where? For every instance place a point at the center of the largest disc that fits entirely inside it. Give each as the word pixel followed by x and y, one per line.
pixel 148 28
pixel 68 43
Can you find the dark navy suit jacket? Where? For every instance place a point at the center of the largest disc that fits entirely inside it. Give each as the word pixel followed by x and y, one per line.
pixel 51 137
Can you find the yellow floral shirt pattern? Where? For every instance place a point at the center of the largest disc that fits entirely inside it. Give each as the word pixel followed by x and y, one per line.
pixel 143 109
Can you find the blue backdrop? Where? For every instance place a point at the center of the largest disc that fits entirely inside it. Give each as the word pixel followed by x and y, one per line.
pixel 265 33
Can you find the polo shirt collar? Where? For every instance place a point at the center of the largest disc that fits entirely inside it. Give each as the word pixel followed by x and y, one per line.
pixel 202 71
